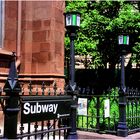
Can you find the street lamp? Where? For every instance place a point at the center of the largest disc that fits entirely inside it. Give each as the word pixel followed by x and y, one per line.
pixel 122 130
pixel 72 24
pixel 72 20
pixel 123 41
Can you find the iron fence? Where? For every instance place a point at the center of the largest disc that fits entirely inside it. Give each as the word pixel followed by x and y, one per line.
pixel 46 128
pixel 133 110
pixel 57 128
pixel 96 121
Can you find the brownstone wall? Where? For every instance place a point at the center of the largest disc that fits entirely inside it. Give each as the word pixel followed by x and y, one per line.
pixel 41 53
pixel 10 39
pixel 10 26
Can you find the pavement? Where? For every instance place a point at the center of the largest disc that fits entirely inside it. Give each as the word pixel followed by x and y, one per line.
pixel 91 135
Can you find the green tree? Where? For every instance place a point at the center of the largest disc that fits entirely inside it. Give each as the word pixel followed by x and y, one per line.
pixel 101 22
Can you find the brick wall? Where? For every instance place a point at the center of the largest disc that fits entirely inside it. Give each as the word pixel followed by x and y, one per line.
pixel 10 26
pixel 42 39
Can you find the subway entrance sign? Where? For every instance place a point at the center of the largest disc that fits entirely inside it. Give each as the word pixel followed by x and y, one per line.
pixel 38 108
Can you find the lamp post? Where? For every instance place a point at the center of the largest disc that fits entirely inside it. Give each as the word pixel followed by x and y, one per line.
pixel 72 24
pixel 122 130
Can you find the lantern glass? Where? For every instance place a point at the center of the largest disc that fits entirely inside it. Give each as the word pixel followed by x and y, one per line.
pixel 123 40
pixel 78 20
pixel 72 19
pixel 68 20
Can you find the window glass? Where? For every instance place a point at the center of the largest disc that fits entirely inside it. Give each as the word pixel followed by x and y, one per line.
pixel 1 22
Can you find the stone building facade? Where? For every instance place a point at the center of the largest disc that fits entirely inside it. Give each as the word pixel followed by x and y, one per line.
pixel 34 30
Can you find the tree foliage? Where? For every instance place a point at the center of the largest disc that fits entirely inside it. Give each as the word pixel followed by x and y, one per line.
pixel 101 22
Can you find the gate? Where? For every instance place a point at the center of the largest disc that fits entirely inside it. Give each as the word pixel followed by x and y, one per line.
pixel 31 114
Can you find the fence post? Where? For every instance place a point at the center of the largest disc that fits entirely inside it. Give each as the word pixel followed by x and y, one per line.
pixel 98 114
pixel 122 129
pixel 72 133
pixel 12 89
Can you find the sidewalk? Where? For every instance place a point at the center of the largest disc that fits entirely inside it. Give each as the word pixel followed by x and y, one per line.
pixel 92 135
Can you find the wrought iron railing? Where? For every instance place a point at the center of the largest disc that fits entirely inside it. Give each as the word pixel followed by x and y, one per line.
pixel 133 110
pixel 95 119
pixel 46 129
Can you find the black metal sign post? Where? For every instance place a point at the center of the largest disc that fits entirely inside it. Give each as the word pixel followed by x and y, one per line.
pixel 12 89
